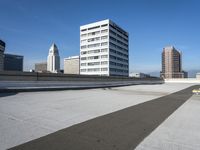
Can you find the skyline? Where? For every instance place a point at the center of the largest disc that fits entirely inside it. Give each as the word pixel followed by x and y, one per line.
pixel 33 26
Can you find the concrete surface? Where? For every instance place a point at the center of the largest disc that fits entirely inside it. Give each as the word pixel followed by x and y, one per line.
pixel 31 86
pixel 120 130
pixel 28 116
pixel 181 131
pixel 183 80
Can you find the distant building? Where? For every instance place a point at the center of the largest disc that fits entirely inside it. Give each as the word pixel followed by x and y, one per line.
pixel 198 75
pixel 139 75
pixel 72 65
pixel 172 63
pixel 2 49
pixel 185 74
pixel 104 49
pixel 53 60
pixel 13 62
pixel 41 67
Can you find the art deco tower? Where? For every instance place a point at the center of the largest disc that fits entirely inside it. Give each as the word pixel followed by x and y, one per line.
pixel 53 59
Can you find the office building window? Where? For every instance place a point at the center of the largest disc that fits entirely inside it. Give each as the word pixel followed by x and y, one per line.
pixel 94 28
pixel 104 31
pixel 93 57
pixel 104 63
pixel 83 53
pixel 94 51
pixel 93 69
pixel 94 39
pixel 104 25
pixel 83 35
pixel 104 37
pixel 83 41
pixel 84 30
pixel 93 45
pixel 104 69
pixel 104 50
pixel 93 33
pixel 83 58
pixel 104 56
pixel 83 70
pixel 84 46
pixel 83 64
pixel 104 43
pixel 93 63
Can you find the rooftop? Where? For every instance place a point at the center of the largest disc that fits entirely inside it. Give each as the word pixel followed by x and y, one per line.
pixel 102 118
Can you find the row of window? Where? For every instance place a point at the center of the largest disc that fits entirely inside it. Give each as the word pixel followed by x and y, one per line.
pixel 94 63
pixel 94 69
pixel 94 45
pixel 94 51
pixel 118 70
pixel 114 39
pixel 118 47
pixel 104 56
pixel 118 64
pixel 95 39
pixel 119 30
pixel 94 57
pixel 118 58
pixel 94 33
pixel 119 36
pixel 104 25
pixel 118 53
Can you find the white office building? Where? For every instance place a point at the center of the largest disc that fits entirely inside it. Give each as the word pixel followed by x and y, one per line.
pixel 104 49
pixel 53 60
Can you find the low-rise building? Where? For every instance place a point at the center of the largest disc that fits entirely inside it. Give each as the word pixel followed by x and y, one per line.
pixel 72 65
pixel 139 75
pixel 185 74
pixel 198 75
pixel 41 67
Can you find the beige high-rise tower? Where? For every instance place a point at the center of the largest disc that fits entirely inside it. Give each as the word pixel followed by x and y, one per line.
pixel 171 63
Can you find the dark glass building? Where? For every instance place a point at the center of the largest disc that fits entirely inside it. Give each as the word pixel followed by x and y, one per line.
pixel 13 62
pixel 2 49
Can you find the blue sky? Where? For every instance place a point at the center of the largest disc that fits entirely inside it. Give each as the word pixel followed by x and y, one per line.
pixel 29 27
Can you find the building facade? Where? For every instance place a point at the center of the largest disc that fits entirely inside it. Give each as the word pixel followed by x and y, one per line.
pixel 53 60
pixel 139 75
pixel 72 65
pixel 41 67
pixel 2 49
pixel 13 62
pixel 104 49
pixel 198 75
pixel 172 63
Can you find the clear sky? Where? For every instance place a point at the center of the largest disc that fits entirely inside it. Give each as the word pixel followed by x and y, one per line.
pixel 29 27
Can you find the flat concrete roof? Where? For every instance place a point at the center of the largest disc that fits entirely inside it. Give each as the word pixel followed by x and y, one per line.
pixel 28 116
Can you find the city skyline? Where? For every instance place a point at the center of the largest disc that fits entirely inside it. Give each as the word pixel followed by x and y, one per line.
pixel 30 30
